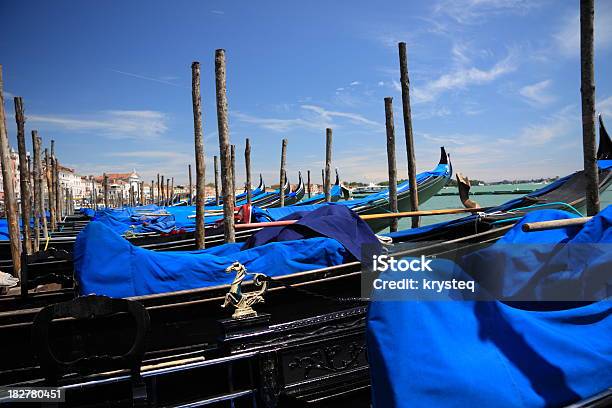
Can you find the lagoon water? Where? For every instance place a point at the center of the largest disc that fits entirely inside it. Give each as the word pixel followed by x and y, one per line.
pixel 452 201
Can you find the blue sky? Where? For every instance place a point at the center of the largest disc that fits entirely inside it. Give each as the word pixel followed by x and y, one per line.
pixel 495 81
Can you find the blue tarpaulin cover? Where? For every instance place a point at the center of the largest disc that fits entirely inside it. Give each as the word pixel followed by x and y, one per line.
pixel 494 354
pixel 107 264
pixel 330 220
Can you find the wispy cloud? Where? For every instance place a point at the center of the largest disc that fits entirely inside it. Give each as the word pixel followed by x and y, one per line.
pixel 553 127
pixel 537 94
pixel 318 119
pixel 153 154
pixel 162 80
pixel 567 37
pixel 218 12
pixel 114 124
pixel 327 115
pixel 355 83
pixel 605 107
pixel 461 78
pixel 277 124
pixel 476 11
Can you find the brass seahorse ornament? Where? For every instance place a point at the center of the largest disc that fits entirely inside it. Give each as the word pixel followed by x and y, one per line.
pixel 243 302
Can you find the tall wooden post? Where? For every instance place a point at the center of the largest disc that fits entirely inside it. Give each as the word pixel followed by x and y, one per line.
pixel 105 186
pixel 389 124
pixel 172 190
pixel 163 194
pixel 57 188
pixel 405 84
pixel 53 190
pixel 142 196
pixel 158 191
pixel 283 159
pixel 323 180
pixel 168 191
pixel 233 161
pixel 328 159
pixel 36 190
pixel 308 185
pixel 152 192
pixel 190 188
pixel 10 202
pixel 227 188
pixel 247 165
pixel 24 176
pixel 49 177
pixel 198 135
pixel 93 193
pixel 587 91
pixel 216 180
pixel 39 207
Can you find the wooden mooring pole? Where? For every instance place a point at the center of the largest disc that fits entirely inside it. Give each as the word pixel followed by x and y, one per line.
pixel 168 191
pixel 39 202
pixel 190 194
pixel 587 91
pixel 405 85
pixel 247 165
pixel 233 160
pixel 224 147
pixel 158 195
pixel 24 176
pixel 328 159
pixel 57 189
pixel 142 195
pixel 199 155
pixel 390 126
pixel 105 185
pixel 50 200
pixel 282 172
pixel 152 192
pixel 163 194
pixel 172 190
pixel 308 184
pixel 10 202
pixel 216 180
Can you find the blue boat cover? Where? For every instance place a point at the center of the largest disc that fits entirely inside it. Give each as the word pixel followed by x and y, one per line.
pixel 330 220
pixel 494 354
pixel 107 264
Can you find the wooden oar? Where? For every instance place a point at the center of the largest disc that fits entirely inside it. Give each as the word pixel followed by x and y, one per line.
pixel 368 217
pixel 421 213
pixel 548 225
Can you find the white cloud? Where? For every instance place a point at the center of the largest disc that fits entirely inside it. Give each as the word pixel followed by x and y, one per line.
pixel 605 107
pixel 567 38
pixel 327 115
pixel 555 126
pixel 476 11
pixel 279 125
pixel 355 83
pixel 162 80
pixel 114 124
pixel 461 78
pixel 321 119
pixel 153 154
pixel 219 12
pixel 536 94
pixel 381 83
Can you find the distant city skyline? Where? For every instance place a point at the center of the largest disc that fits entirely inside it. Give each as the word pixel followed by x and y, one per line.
pixel 495 81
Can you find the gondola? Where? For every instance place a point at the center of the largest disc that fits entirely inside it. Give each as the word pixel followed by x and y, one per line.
pixel 337 192
pixel 51 269
pixel 306 347
pixel 64 238
pixel 261 188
